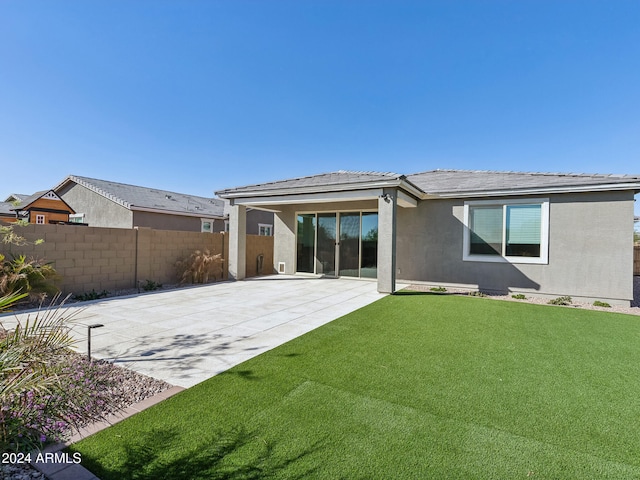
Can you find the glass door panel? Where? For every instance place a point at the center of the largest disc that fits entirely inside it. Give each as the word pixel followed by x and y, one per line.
pixel 306 242
pixel 369 248
pixel 326 252
pixel 349 244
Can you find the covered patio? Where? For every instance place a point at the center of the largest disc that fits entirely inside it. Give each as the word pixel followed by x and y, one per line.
pixel 341 224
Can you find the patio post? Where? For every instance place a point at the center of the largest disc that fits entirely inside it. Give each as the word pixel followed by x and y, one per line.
pixel 387 213
pixel 237 242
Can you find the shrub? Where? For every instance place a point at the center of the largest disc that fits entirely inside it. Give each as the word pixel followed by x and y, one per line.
pixel 199 267
pixel 438 289
pixel 519 296
pixel 151 285
pixel 28 275
pixel 477 294
pixel 598 303
pixel 45 390
pixel 92 295
pixel 566 300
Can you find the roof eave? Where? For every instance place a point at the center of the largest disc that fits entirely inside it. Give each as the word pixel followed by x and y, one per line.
pixel 400 182
pixel 535 191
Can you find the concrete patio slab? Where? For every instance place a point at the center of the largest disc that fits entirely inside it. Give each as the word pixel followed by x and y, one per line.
pixel 187 335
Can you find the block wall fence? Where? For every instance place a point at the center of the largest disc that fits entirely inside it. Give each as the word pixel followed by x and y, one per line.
pixel 95 258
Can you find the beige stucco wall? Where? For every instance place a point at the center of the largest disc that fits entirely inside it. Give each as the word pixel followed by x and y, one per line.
pixel 166 221
pixel 590 249
pixel 99 211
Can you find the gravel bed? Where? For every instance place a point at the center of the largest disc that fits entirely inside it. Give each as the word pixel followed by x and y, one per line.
pixel 131 387
pixel 634 309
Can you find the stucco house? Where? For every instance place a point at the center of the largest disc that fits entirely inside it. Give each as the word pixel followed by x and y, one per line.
pixel 103 203
pixel 546 234
pixel 43 207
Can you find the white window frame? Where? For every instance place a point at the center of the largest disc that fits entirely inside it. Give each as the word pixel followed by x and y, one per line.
pixel 39 219
pixel 543 259
pixel 210 221
pixel 76 216
pixel 265 225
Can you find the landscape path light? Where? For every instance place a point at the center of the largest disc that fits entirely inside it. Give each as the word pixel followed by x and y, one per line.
pixel 89 328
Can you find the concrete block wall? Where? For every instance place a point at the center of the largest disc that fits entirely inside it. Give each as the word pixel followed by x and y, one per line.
pixel 259 245
pixel 85 258
pixel 95 258
pixel 159 250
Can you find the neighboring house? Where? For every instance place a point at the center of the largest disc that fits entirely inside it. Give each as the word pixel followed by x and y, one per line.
pixel 7 214
pixel 7 207
pixel 536 233
pixel 102 203
pixel 259 222
pixel 42 208
pixel 16 197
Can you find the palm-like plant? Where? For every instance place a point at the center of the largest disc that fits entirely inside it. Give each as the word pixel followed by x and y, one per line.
pixel 29 358
pixel 32 276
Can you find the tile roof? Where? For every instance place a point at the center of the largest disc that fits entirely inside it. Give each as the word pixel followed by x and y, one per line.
pixel 30 199
pixel 340 177
pixel 16 196
pixel 6 209
pixel 465 181
pixel 135 197
pixel 445 182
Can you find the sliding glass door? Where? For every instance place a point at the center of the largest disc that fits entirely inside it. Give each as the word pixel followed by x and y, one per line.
pixel 326 252
pixel 369 245
pixel 349 244
pixel 342 242
pixel 306 242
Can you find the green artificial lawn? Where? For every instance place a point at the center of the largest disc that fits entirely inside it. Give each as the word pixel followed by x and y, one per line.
pixel 412 386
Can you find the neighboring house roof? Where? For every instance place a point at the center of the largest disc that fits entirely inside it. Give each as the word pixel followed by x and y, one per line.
pixel 443 183
pixel 135 197
pixel 29 199
pixel 46 194
pixel 6 209
pixel 16 197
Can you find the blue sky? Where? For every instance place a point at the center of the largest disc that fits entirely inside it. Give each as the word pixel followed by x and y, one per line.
pixel 195 96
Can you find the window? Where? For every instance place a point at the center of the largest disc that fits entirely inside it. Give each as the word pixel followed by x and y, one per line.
pixel 40 219
pixel 513 231
pixel 76 217
pixel 264 229
pixel 207 226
